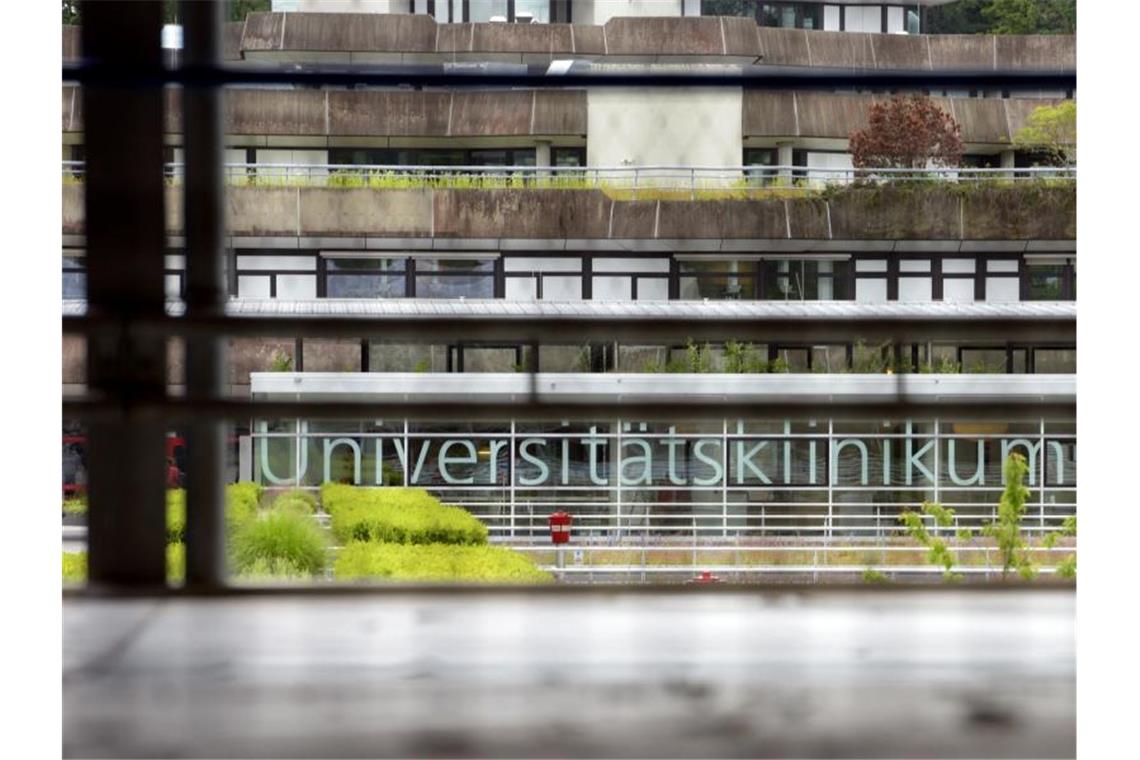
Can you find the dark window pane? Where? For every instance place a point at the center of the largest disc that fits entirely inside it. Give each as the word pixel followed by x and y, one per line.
pixel 1061 361
pixel 1045 282
pixel 366 286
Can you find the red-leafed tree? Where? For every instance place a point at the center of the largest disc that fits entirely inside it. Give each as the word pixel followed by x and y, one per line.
pixel 907 133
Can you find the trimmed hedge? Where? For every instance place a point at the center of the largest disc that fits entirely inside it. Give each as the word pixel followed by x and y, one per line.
pixel 76 506
pixel 74 567
pixel 397 516
pixel 436 562
pixel 280 542
pixel 241 507
pixel 75 564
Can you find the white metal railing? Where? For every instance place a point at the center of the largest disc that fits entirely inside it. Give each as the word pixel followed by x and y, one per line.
pixel 627 178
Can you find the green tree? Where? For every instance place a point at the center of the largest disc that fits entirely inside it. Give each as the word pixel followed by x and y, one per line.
pixel 1006 529
pixel 937 551
pixel 1052 130
pixel 1032 16
pixel 1002 17
pixel 962 17
pixel 1067 568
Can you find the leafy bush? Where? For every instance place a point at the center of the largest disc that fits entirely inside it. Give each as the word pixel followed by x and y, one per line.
pixel 397 515
pixel 281 538
pixel 241 507
pixel 436 562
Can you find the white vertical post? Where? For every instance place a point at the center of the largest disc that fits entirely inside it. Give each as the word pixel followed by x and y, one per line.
pixel 1043 472
pixel 511 477
pixel 724 483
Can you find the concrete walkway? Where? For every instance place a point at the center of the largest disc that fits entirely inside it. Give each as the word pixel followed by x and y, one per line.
pixel 688 672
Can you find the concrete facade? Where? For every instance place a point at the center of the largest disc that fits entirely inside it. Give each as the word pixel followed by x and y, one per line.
pixel 638 128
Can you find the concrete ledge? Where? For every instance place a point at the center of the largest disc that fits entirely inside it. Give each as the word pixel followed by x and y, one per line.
pixel 326 114
pixel 852 217
pixel 267 36
pixel 987 121
pixel 347 37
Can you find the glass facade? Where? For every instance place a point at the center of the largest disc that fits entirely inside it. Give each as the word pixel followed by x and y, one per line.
pixel 706 479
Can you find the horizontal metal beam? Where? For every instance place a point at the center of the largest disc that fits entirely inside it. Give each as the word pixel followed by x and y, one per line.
pixel 426 76
pixel 578 329
pixel 180 410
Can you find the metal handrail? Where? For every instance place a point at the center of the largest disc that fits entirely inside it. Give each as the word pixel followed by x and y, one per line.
pixel 634 178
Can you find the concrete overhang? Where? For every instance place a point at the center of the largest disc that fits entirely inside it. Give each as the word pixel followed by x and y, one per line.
pixel 650 388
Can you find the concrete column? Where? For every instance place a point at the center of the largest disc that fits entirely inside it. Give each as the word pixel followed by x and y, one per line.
pixel 126 467
pixel 542 156
pixel 1008 161
pixel 784 158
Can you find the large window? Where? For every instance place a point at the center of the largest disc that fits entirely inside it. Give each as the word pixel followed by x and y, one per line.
pixel 434 156
pixel 454 278
pixel 806 280
pixel 629 279
pixel 541 278
pixel 74 275
pixel 730 280
pixel 365 278
pixel 1050 279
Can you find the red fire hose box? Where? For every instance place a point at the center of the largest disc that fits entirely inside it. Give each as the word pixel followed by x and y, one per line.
pixel 560 527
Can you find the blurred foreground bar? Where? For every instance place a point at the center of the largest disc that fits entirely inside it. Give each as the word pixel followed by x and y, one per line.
pixel 688 672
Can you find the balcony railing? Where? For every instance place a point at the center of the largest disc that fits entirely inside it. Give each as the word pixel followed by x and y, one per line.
pixel 650 181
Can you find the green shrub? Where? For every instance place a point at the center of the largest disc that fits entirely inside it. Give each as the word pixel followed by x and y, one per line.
pixel 75 564
pixel 175 515
pixel 280 536
pixel 77 506
pixel 397 515
pixel 242 500
pixel 176 562
pixel 241 507
pixel 436 562
pixel 74 567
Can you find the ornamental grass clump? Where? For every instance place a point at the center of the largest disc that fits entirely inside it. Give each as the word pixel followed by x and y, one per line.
pixel 280 541
pixel 398 516
pixel 435 562
pixel 297 500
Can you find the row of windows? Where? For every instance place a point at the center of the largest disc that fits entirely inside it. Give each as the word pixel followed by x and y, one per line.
pixel 736 358
pixel 887 18
pixel 865 278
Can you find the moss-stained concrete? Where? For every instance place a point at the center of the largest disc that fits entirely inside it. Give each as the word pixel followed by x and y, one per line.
pixel 1014 211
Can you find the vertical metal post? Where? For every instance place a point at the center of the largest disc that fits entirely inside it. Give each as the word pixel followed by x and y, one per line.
pixel 205 295
pixel 125 280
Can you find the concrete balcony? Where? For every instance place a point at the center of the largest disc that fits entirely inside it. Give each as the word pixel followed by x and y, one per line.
pixel 1030 216
pixel 399 38
pixel 332 118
